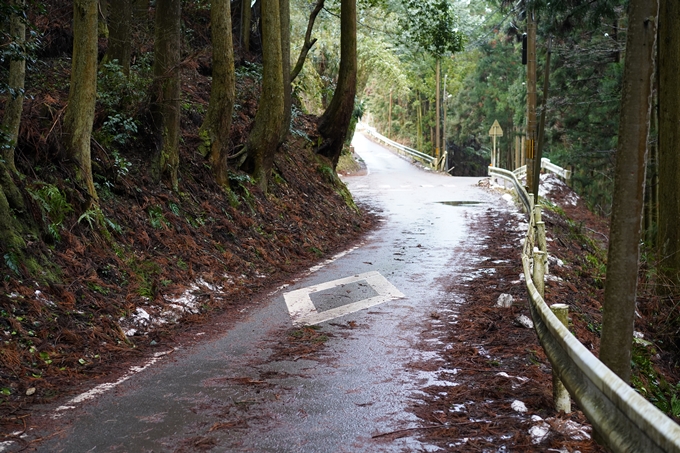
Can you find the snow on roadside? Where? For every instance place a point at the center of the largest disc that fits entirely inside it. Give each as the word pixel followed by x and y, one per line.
pixel 144 319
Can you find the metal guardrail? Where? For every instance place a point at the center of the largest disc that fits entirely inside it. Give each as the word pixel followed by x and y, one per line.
pixel 546 165
pixel 425 158
pixel 623 420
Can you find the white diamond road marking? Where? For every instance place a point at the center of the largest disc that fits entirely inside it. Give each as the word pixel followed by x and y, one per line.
pixel 303 312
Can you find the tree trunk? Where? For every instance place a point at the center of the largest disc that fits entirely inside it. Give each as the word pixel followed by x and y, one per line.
pixel 309 42
pixel 120 35
pixel 335 121
pixel 284 6
pixel 628 198
pixel 246 13
pixel 531 97
pixel 15 102
pixel 265 136
pixel 82 96
pixel 669 140
pixel 217 125
pixel 167 90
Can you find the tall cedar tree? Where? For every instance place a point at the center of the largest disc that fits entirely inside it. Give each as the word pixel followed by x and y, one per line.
pixel 669 141
pixel 120 34
pixel 82 96
pixel 335 121
pixel 13 109
pixel 265 136
pixel 17 77
pixel 628 198
pixel 217 124
pixel 284 6
pixel 166 91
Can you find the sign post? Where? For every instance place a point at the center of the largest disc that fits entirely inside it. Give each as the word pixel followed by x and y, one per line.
pixel 494 132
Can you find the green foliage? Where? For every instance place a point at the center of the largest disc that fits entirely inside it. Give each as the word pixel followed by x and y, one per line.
pixel 12 262
pixel 156 218
pixel 649 383
pixel 432 26
pixel 121 94
pixel 54 206
pixel 249 70
pixel 118 131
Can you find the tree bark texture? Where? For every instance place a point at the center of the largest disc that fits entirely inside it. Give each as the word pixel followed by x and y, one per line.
pixel 217 124
pixel 120 34
pixel 10 241
pixel 246 14
pixel 265 136
pixel 335 121
pixel 17 76
pixel 166 105
pixel 628 197
pixel 284 6
pixel 309 42
pixel 82 96
pixel 669 140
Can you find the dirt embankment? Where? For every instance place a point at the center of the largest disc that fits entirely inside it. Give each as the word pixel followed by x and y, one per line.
pixel 115 283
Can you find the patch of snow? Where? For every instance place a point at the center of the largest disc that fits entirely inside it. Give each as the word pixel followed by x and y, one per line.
pixel 39 295
pixel 504 300
pixel 524 321
pixel 458 408
pixel 519 406
pixel 507 197
pixel 539 432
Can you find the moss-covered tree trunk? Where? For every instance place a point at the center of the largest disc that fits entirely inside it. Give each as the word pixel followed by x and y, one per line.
pixel 120 34
pixel 217 124
pixel 284 6
pixel 628 198
pixel 17 76
pixel 265 136
pixel 335 121
pixel 668 238
pixel 166 91
pixel 82 96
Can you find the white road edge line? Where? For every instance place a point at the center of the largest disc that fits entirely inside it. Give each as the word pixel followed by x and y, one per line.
pixel 102 388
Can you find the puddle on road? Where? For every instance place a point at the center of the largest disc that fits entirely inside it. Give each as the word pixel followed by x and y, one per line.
pixel 461 203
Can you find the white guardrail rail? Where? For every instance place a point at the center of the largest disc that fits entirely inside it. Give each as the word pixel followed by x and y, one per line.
pixel 422 157
pixel 546 165
pixel 622 419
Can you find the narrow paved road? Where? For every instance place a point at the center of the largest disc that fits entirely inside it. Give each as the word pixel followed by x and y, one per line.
pixel 233 393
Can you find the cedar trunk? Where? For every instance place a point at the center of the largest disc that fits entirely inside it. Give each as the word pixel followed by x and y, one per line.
pixel 120 35
pixel 284 6
pixel 265 136
pixel 246 13
pixel 669 141
pixel 217 124
pixel 628 198
pixel 17 76
pixel 166 105
pixel 82 96
pixel 335 121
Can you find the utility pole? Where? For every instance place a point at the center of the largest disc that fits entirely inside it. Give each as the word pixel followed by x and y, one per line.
pixel 437 107
pixel 389 118
pixel 531 97
pixel 444 125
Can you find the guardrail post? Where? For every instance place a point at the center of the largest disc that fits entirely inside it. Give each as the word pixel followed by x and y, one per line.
pixel 539 272
pixel 560 393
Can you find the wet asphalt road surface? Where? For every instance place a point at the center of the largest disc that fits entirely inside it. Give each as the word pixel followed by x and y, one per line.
pixel 230 393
